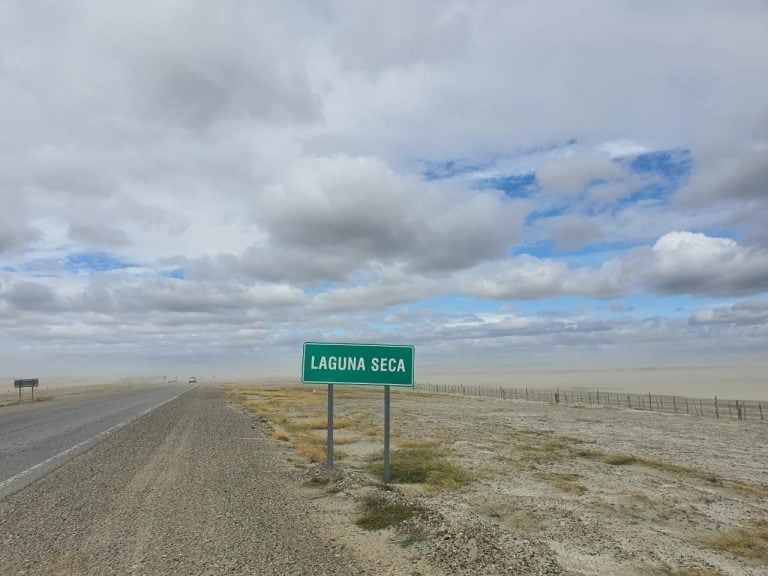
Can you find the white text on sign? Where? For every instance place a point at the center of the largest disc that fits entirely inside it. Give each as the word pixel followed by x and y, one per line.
pixel 357 363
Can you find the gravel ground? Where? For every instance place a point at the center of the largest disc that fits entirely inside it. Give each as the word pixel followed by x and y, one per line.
pixel 193 488
pixel 199 488
pixel 685 496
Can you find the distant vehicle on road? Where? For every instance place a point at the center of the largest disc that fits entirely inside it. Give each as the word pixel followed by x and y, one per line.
pixel 192 380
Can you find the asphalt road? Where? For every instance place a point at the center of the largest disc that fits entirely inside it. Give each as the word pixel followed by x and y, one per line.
pixel 38 437
pixel 193 488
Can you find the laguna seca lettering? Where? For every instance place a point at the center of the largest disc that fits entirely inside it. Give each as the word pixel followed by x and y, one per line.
pixel 345 363
pixel 387 365
pixel 356 364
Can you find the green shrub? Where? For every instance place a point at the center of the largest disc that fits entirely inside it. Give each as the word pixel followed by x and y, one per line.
pixel 422 465
pixel 379 514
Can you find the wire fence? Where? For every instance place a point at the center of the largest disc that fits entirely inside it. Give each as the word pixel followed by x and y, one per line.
pixel 705 407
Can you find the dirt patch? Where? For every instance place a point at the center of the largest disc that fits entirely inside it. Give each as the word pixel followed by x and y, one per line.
pixel 555 490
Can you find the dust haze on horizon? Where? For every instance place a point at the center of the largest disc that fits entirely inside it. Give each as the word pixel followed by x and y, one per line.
pixel 529 187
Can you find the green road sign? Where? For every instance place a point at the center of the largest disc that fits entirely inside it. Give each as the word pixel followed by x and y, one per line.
pixel 366 364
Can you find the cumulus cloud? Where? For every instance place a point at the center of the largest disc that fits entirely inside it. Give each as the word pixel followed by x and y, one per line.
pixel 378 296
pixel 693 263
pixel 723 175
pixel 31 296
pixel 98 235
pixel 746 313
pixel 573 232
pixel 16 236
pixel 573 174
pixel 332 217
pixel 678 263
pixel 523 277
pixel 528 278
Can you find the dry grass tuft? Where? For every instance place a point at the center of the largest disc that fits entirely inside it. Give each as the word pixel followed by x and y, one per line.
pixel 759 490
pixel 639 496
pixel 619 459
pixel 677 469
pixel 378 513
pixel 564 482
pixel 751 542
pixel 403 442
pixel 696 572
pixel 424 465
pixel 312 453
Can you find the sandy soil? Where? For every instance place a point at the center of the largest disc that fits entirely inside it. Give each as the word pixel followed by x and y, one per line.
pixel 556 490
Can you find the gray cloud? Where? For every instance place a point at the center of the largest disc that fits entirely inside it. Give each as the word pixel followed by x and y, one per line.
pixel 678 263
pixel 31 296
pixel 572 174
pixel 269 155
pixel 16 235
pixel 98 235
pixel 692 263
pixel 746 313
pixel 336 216
pixel 722 175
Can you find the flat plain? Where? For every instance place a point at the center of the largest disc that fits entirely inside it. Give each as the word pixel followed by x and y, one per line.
pixel 528 487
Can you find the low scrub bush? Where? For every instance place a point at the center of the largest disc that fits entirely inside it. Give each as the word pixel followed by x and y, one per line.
pixel 422 465
pixel 748 542
pixel 378 513
pixel 619 459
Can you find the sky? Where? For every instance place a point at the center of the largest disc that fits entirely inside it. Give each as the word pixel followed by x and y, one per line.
pixel 203 186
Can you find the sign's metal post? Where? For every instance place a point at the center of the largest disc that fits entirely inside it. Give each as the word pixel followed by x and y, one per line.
pixel 386 434
pixel 19 393
pixel 329 458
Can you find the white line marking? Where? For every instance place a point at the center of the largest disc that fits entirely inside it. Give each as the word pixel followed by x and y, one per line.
pixel 102 434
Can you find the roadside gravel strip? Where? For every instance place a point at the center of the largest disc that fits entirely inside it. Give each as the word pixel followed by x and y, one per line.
pixel 192 488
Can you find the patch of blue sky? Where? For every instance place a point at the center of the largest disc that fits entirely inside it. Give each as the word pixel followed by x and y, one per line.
pixel 557 209
pixel 542 249
pixel 448 169
pixel 673 164
pixel 554 307
pixel 321 288
pixel 657 192
pixel 9 269
pixel 85 262
pixel 640 307
pixel 42 267
pixel 664 171
pixel 633 307
pixel 593 256
pixel 176 273
pixel 513 185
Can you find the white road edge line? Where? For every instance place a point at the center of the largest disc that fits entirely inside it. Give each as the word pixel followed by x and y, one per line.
pixel 102 434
